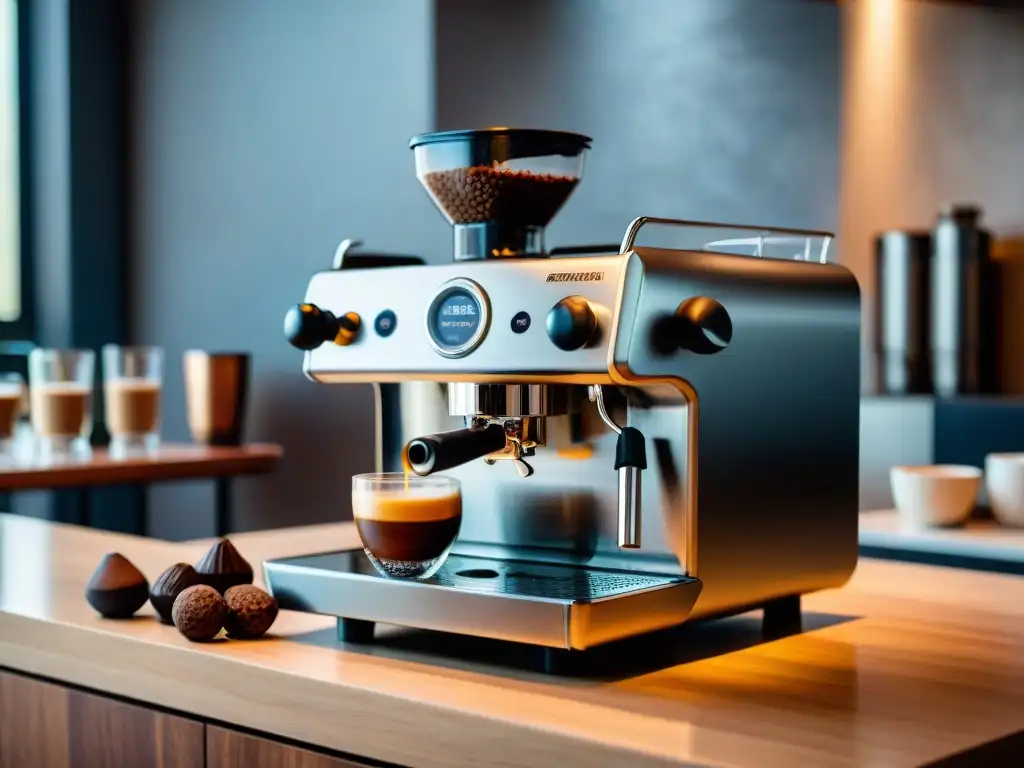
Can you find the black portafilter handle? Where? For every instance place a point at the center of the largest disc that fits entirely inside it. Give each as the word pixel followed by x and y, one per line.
pixel 436 453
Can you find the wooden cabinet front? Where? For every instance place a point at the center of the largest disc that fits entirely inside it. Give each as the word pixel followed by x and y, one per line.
pixel 44 725
pixel 230 749
pixel 47 726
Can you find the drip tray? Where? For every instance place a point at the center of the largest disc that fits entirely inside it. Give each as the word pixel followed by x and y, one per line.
pixel 548 604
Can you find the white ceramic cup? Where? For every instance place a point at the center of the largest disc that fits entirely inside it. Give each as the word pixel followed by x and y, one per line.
pixel 936 495
pixel 1004 483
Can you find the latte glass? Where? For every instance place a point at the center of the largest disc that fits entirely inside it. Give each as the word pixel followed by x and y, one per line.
pixel 132 381
pixel 407 530
pixel 12 404
pixel 60 396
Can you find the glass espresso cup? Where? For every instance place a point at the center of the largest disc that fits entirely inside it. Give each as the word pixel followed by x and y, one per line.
pixel 407 528
pixel 132 382
pixel 60 396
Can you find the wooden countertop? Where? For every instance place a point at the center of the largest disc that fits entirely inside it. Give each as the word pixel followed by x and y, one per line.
pixel 903 666
pixel 169 462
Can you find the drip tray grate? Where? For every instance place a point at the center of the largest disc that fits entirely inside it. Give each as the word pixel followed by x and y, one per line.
pixel 557 605
pixel 542 580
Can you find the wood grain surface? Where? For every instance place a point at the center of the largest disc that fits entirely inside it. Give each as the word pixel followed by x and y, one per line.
pixel 33 723
pixel 905 665
pixel 169 462
pixel 46 726
pixel 231 749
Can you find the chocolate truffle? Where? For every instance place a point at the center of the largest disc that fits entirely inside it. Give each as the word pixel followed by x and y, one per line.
pixel 199 612
pixel 251 611
pixel 117 588
pixel 222 567
pixel 168 586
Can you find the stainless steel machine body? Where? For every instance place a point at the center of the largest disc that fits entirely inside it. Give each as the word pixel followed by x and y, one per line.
pixel 749 494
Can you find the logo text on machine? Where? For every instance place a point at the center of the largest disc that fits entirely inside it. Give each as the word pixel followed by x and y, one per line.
pixel 575 277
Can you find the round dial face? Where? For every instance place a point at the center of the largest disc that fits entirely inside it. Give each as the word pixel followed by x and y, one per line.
pixel 457 318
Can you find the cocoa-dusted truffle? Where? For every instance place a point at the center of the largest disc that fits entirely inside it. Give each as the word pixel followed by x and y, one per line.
pixel 222 567
pixel 251 611
pixel 117 588
pixel 199 612
pixel 168 586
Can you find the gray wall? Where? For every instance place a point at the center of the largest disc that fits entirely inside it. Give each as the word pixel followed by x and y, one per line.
pixel 723 110
pixel 933 111
pixel 264 133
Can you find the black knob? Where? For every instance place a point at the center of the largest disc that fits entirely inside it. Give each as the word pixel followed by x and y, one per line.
pixel 306 326
pixel 701 325
pixel 571 323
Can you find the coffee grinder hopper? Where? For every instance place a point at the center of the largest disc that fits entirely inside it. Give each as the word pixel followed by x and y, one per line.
pixel 499 187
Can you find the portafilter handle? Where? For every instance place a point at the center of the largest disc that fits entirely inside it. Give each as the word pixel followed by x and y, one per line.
pixel 444 450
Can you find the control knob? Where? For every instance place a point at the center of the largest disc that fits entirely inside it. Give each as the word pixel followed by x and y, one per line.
pixel 306 326
pixel 571 323
pixel 700 324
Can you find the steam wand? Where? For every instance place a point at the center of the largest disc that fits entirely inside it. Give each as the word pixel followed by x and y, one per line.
pixel 630 460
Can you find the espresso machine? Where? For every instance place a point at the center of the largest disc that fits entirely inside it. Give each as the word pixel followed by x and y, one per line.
pixel 644 435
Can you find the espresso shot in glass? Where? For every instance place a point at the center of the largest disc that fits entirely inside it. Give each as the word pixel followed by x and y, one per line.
pixel 60 400
pixel 132 387
pixel 408 525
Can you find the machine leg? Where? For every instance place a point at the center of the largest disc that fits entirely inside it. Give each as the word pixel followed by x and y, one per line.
pixel 356 631
pixel 782 618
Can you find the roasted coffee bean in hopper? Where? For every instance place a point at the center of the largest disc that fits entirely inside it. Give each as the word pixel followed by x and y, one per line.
pixel 480 193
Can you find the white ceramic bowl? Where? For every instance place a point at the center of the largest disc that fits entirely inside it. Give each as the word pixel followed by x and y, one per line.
pixel 1004 483
pixel 935 495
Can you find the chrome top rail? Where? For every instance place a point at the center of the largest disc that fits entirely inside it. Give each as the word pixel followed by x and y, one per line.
pixel 812 244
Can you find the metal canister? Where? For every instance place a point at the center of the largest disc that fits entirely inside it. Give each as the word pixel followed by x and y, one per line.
pixel 964 305
pixel 902 350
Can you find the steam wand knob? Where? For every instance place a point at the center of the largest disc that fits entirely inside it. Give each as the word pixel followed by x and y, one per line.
pixel 700 325
pixel 630 460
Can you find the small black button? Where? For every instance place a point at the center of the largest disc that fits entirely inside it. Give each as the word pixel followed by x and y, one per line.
pixel 521 322
pixel 385 323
